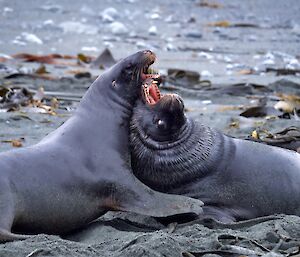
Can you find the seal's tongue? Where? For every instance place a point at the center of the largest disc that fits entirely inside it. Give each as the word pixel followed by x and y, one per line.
pixel 154 92
pixel 150 91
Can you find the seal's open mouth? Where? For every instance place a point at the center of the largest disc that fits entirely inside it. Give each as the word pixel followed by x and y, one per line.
pixel 150 91
pixel 150 80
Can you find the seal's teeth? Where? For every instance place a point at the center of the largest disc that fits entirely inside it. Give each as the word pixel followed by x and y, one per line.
pixel 151 76
pixel 152 71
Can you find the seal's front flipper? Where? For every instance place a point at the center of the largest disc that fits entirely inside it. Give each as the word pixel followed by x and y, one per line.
pixel 138 198
pixel 213 218
pixel 6 236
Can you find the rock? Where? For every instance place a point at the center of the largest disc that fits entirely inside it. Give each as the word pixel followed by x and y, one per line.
pixel 152 30
pixel 206 73
pixel 7 10
pixel 141 44
pixel 109 15
pixel 193 34
pixel 48 23
pixel 170 47
pixel 118 28
pixel 285 86
pixel 269 62
pixel 89 49
pixel 26 37
pixel 252 38
pixel 296 29
pixel 154 16
pixel 32 38
pixel 169 19
pixel 104 60
pixel 111 12
pixel 78 27
pixel 205 55
pixel 52 8
pixel 87 10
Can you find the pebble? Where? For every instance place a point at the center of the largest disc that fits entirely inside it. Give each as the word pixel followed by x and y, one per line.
pixel 2 55
pixel 237 66
pixel 109 15
pixel 169 19
pixel 269 55
pixel 87 10
pixel 193 34
pixel 152 30
pixel 144 45
pixel 52 8
pixel 269 62
pixel 7 9
pixel 294 63
pixel 252 38
pixel 227 59
pixel 154 16
pixel 170 47
pixel 206 73
pixel 18 42
pixel 78 27
pixel 111 12
pixel 296 29
pixel 108 44
pixel 118 28
pixel 89 49
pixel 48 23
pixel 140 44
pixel 26 37
pixel 205 55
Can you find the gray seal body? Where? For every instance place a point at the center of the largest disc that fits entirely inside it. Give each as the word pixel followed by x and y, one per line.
pixel 236 179
pixel 82 169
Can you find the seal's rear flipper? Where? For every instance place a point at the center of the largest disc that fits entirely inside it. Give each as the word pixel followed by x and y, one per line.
pixel 141 199
pixel 6 236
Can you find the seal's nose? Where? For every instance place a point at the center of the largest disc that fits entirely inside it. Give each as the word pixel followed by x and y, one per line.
pixel 172 102
pixel 148 52
pixel 150 56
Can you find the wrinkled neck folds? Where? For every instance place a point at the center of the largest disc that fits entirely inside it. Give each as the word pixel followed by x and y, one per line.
pixel 166 165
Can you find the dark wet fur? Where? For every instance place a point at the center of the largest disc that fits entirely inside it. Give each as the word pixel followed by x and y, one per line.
pixel 236 179
pixel 186 157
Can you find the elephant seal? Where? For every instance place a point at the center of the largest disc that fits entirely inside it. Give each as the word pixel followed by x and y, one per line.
pixel 82 169
pixel 236 179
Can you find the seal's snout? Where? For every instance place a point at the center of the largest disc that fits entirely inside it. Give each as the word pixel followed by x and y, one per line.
pixel 150 56
pixel 148 52
pixel 150 79
pixel 171 102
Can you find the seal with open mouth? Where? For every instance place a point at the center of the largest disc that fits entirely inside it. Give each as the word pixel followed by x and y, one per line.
pixel 236 179
pixel 82 169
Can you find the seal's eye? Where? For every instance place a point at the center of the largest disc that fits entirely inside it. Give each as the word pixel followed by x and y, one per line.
pixel 129 66
pixel 161 124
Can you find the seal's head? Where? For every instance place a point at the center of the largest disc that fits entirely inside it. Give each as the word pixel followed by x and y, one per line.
pixel 128 75
pixel 167 149
pixel 159 118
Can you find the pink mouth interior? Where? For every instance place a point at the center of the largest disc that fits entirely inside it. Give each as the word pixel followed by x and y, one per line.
pixel 150 91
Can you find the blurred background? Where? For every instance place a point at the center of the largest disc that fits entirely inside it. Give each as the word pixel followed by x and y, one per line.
pixel 235 63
